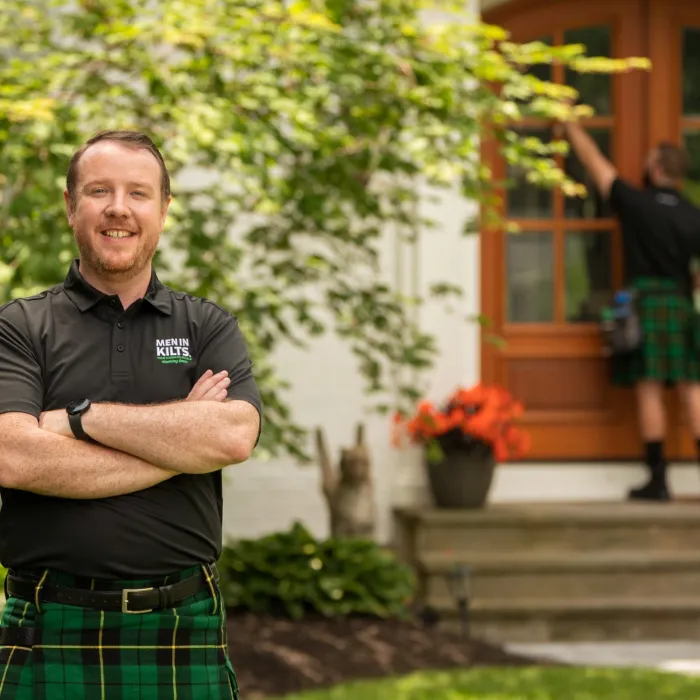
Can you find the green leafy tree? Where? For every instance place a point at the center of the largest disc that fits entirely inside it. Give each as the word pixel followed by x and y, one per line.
pixel 312 122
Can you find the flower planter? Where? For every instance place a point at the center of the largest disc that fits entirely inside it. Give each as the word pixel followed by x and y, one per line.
pixel 463 440
pixel 463 478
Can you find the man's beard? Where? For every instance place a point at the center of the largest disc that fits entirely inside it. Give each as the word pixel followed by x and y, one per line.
pixel 126 269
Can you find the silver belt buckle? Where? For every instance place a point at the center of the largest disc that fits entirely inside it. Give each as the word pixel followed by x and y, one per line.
pixel 125 600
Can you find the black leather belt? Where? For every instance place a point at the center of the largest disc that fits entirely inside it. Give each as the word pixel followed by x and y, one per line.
pixel 127 600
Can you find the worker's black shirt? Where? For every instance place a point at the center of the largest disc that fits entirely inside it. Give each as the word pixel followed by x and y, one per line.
pixel 72 342
pixel 660 232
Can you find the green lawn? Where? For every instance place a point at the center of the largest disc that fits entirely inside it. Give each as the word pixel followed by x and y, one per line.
pixel 531 683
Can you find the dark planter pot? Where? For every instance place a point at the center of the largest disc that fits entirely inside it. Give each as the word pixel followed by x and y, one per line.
pixel 463 478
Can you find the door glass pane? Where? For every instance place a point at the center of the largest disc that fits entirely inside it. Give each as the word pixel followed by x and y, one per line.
pixel 588 274
pixel 526 201
pixel 691 71
pixel 593 206
pixel 530 277
pixel 594 88
pixel 691 187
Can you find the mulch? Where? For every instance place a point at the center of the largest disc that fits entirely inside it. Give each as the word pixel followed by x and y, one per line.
pixel 275 656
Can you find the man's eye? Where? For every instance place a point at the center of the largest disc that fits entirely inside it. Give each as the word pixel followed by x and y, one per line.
pixel 139 193
pixel 99 190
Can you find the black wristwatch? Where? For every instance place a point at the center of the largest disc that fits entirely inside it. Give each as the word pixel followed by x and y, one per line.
pixel 75 411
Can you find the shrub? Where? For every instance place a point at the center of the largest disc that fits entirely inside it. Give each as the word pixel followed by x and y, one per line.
pixel 293 574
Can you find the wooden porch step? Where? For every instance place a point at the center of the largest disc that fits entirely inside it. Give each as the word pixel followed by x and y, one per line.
pixel 550 528
pixel 613 575
pixel 562 571
pixel 561 619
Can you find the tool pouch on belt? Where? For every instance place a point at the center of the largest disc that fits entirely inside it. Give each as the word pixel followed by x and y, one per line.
pixel 621 325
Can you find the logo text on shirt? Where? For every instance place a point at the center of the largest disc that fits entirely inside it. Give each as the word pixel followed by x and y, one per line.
pixel 668 199
pixel 173 351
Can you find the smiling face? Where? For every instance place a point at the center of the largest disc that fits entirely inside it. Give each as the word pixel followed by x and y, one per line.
pixel 118 214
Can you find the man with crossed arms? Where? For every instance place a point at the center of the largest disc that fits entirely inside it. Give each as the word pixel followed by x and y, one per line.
pixel 121 401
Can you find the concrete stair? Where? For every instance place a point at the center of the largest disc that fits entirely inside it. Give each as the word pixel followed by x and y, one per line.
pixel 556 572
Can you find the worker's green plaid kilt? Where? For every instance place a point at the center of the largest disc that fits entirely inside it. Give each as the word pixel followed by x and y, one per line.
pixel 63 652
pixel 670 350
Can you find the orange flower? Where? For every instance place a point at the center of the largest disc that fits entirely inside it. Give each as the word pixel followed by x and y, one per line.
pixel 486 413
pixel 500 451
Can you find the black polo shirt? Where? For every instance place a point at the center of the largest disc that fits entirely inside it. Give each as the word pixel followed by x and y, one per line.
pixel 660 232
pixel 72 342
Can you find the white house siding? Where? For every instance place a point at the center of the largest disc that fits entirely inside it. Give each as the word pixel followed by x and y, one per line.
pixel 261 497
pixel 264 496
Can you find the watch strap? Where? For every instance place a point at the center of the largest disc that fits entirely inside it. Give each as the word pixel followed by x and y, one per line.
pixel 76 425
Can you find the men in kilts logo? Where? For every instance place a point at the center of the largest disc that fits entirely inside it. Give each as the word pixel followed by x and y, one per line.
pixel 660 236
pixel 121 401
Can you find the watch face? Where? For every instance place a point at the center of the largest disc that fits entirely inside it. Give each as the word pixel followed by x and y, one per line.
pixel 76 407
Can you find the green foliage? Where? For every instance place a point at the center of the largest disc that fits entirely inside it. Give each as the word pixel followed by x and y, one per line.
pixel 531 683
pixel 291 573
pixel 314 122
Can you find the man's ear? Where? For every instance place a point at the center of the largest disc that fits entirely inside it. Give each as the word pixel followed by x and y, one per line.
pixel 69 207
pixel 164 212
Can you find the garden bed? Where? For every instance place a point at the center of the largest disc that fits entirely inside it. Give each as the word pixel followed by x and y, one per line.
pixel 276 656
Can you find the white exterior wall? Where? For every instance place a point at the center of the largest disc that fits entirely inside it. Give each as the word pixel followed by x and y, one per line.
pixel 261 497
pixel 265 496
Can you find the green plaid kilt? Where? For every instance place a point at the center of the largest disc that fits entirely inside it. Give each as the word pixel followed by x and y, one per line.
pixel 670 350
pixel 63 652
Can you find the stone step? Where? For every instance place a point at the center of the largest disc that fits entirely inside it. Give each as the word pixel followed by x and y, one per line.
pixel 550 527
pixel 576 575
pixel 561 619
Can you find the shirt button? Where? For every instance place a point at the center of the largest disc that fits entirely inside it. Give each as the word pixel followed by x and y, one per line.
pixel 120 325
pixel 112 302
pixel 120 348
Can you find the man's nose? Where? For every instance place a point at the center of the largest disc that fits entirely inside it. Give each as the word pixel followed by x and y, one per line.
pixel 116 206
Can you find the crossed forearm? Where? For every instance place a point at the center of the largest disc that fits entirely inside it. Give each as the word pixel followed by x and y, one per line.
pixel 186 437
pixel 140 446
pixel 65 468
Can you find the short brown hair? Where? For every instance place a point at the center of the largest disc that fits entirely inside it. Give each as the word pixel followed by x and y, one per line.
pixel 673 160
pixel 133 139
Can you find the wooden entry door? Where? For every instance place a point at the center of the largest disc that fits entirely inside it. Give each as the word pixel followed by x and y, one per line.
pixel 543 288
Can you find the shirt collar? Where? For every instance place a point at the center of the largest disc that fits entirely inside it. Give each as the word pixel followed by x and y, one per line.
pixel 85 296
